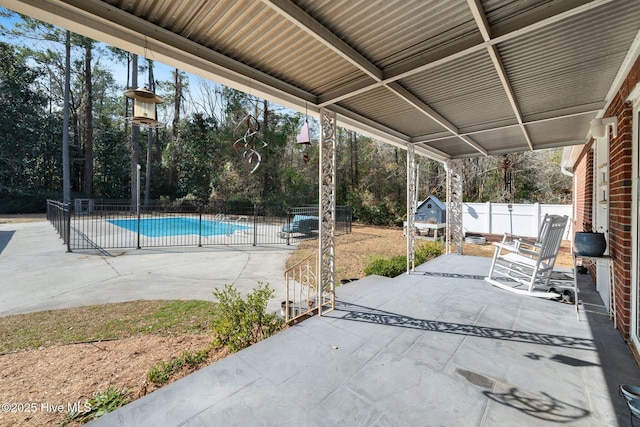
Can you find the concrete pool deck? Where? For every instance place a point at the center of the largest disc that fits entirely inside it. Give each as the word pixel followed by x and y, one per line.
pixel 36 272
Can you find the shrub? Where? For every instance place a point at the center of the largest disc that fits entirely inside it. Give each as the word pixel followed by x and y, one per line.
pixel 428 251
pixel 238 323
pixel 398 264
pixel 387 267
pixel 36 202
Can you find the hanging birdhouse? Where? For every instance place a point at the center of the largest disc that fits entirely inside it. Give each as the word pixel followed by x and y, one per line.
pixel 303 136
pixel 144 106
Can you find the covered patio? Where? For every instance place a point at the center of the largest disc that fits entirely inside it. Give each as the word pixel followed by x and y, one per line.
pixel 438 347
pixel 442 79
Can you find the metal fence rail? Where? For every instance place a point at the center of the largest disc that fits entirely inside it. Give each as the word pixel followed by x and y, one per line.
pixel 58 214
pixel 103 224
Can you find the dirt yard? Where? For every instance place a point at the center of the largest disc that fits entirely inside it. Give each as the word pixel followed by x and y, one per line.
pixel 37 387
pixel 40 386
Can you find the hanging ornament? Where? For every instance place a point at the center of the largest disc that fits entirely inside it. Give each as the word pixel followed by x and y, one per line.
pixel 245 135
pixel 303 136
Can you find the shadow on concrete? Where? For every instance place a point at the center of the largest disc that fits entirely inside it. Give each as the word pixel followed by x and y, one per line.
pixel 5 237
pixel 360 313
pixel 544 407
pixel 616 358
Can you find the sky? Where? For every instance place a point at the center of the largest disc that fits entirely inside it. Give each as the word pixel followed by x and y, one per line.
pixel 161 71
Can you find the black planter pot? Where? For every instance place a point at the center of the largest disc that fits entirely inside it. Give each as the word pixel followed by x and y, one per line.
pixel 589 244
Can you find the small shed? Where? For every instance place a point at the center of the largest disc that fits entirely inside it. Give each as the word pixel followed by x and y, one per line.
pixel 431 210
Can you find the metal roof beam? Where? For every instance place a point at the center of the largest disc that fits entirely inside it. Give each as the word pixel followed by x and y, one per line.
pixel 506 84
pixel 353 88
pixel 301 19
pixel 353 121
pixel 432 114
pixel 588 109
pixel 444 55
pixel 543 16
pixel 539 18
pixel 483 25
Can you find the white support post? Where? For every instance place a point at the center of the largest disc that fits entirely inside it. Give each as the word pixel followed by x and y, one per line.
pixel 411 207
pixel 455 233
pixel 327 209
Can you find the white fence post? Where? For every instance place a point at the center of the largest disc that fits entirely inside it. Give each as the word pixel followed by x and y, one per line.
pixel 488 221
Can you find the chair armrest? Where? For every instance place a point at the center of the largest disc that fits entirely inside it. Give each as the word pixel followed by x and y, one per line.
pixel 510 242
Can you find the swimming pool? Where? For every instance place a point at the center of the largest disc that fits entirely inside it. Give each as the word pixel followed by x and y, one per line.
pixel 178 226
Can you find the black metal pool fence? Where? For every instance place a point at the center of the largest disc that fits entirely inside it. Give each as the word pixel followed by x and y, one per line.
pixel 113 224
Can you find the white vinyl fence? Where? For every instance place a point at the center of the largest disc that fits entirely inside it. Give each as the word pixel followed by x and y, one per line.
pixel 523 220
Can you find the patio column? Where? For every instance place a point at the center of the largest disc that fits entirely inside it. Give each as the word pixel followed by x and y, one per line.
pixel 455 233
pixel 327 184
pixel 411 207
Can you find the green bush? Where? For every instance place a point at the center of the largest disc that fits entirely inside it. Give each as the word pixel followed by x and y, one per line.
pixel 13 203
pixel 428 251
pixel 387 267
pixel 398 264
pixel 238 323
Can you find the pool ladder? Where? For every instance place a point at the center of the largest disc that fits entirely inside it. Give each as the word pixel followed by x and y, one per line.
pixel 230 223
pixel 245 230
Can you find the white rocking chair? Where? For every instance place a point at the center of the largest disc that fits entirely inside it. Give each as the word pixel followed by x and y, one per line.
pixel 528 266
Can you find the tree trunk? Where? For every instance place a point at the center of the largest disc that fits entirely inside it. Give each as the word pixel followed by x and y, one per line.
pixel 264 134
pixel 66 173
pixel 177 99
pixel 355 179
pixel 147 181
pixel 135 147
pixel 87 184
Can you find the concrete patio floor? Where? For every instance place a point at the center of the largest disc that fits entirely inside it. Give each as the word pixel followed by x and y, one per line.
pixel 439 347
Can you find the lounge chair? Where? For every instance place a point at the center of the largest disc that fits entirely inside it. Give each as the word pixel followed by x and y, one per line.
pixel 303 224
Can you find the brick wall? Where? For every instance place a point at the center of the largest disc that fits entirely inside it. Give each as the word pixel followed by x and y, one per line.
pixel 620 196
pixel 583 199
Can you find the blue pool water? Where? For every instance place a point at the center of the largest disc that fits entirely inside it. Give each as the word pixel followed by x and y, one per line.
pixel 177 226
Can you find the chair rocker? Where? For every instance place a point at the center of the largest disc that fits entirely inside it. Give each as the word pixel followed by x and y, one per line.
pixel 525 268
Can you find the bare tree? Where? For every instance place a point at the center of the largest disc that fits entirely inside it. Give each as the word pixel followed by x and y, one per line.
pixel 87 181
pixel 66 174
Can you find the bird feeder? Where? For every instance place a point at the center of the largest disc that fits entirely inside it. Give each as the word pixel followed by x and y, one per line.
pixel 144 106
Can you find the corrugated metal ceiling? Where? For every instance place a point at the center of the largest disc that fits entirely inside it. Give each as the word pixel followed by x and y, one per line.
pixel 458 78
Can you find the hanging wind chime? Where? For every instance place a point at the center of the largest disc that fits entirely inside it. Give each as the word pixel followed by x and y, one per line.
pixel 245 135
pixel 303 136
